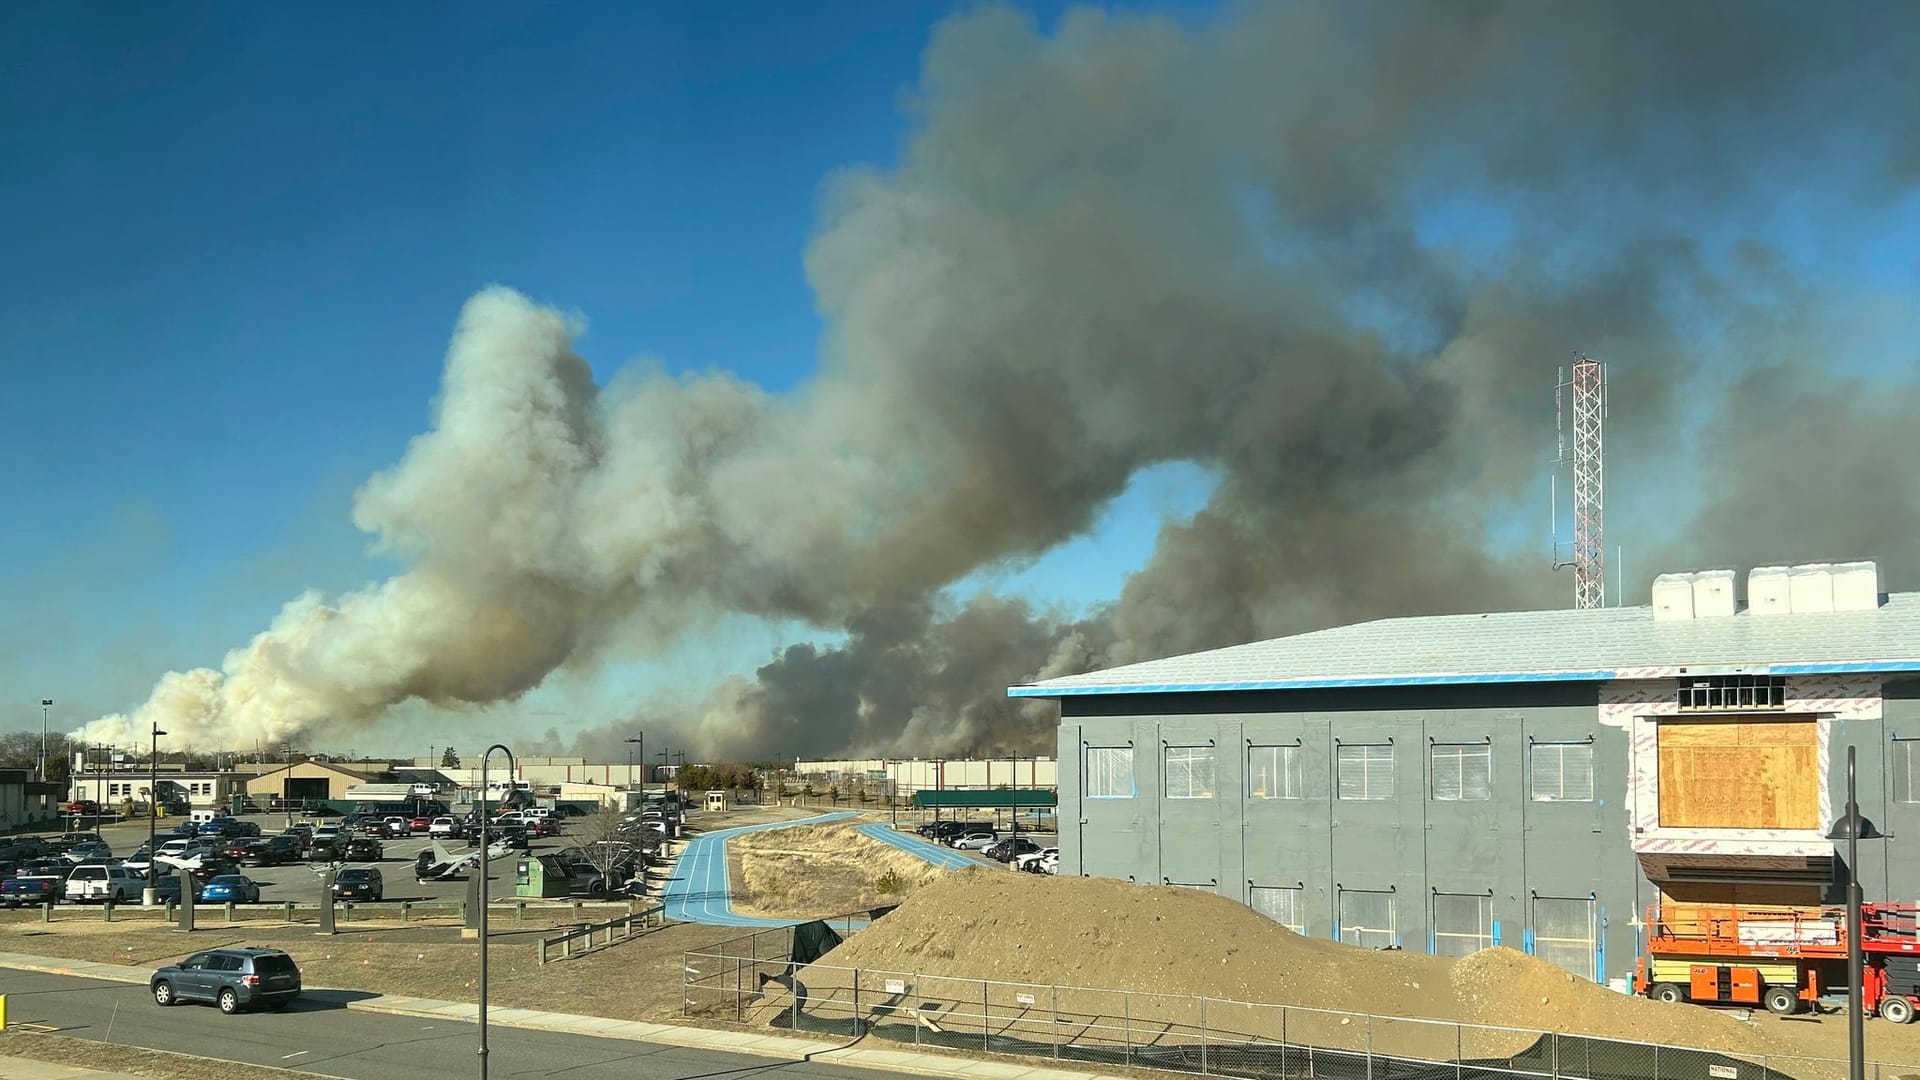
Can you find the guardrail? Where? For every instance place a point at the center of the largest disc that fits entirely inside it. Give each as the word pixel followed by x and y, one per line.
pixel 652 918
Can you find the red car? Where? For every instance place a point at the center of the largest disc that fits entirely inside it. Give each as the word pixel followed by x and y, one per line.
pixel 420 824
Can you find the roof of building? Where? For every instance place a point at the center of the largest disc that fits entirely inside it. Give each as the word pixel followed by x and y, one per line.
pixel 329 766
pixel 1564 645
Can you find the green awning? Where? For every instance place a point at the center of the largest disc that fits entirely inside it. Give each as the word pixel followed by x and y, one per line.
pixel 984 797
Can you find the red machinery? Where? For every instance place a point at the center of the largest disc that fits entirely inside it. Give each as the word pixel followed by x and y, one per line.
pixel 1779 957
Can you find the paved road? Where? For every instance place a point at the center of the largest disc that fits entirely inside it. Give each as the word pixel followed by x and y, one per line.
pixel 318 1033
pixel 698 889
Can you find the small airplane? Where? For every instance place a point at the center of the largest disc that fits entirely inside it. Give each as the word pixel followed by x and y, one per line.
pixel 442 863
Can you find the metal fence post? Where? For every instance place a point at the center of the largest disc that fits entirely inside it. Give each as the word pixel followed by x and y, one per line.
pixel 1203 1036
pixel 1126 1013
pixel 543 961
pixel 1556 1055
pixel 1056 1023
pixel 856 1003
pixel 739 1006
pixel 1459 1049
pixel 983 1014
pixel 1369 1046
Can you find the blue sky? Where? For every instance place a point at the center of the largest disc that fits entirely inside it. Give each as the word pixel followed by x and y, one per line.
pixel 238 236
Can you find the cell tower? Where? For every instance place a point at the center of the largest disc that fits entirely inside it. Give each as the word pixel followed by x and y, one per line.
pixel 1586 387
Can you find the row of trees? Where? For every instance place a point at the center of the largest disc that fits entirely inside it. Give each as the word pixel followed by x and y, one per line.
pixel 21 750
pixel 727 776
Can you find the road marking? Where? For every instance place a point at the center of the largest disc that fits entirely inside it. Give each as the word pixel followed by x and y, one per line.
pixel 295 1054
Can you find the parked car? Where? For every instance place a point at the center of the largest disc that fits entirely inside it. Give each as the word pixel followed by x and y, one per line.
pixel 275 851
pixel 103 884
pixel 233 979
pixel 975 841
pixel 27 888
pixel 443 828
pixel 166 889
pixel 399 827
pixel 220 826
pixel 364 849
pixel 317 810
pixel 1031 862
pixel 1011 848
pixel 80 808
pixel 359 883
pixel 419 824
pixel 230 889
pixel 139 860
pixel 239 849
pixel 61 844
pixel 93 850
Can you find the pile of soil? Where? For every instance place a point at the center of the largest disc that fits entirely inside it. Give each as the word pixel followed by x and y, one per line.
pixel 815 871
pixel 1090 932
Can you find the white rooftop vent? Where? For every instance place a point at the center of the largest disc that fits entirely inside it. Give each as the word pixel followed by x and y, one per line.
pixel 1856 586
pixel 1672 597
pixel 1768 592
pixel 1713 594
pixel 1810 588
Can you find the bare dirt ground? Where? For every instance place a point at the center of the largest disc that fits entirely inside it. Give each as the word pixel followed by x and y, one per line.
pixel 812 871
pixel 1179 943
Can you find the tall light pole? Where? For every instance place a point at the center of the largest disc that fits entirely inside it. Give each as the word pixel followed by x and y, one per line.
pixel 46 703
pixel 512 771
pixel 641 740
pixel 1852 828
pixel 153 818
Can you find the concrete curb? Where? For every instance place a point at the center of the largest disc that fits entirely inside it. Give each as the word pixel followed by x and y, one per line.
pixel 693 1038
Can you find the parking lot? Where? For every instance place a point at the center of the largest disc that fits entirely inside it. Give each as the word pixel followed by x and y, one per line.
pixel 299 882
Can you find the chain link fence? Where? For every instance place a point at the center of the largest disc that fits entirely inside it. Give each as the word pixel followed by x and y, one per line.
pixel 750 980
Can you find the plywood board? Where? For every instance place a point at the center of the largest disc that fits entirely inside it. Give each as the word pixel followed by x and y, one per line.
pixel 1739 774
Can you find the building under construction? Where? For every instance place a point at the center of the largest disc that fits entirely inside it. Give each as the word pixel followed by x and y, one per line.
pixel 1533 779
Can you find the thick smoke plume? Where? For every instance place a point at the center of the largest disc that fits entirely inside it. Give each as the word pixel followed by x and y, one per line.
pixel 1332 252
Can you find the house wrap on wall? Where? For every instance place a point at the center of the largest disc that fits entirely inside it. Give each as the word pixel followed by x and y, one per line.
pixel 1533 779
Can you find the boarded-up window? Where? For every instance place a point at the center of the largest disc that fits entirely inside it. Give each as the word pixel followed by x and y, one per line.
pixel 1366 918
pixel 1906 770
pixel 1109 772
pixel 1564 933
pixel 1189 772
pixel 1561 772
pixel 1365 771
pixel 1739 774
pixel 1273 772
pixel 1279 903
pixel 1462 923
pixel 1462 772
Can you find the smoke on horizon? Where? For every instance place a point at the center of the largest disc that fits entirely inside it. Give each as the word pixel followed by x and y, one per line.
pixel 1331 252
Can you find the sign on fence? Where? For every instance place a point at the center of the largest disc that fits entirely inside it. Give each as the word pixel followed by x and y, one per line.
pixel 896 986
pixel 1023 999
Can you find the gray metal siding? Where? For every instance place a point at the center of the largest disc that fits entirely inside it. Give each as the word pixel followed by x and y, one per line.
pixel 1506 846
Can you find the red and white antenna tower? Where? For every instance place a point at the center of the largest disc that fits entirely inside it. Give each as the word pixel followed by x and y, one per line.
pixel 1586 387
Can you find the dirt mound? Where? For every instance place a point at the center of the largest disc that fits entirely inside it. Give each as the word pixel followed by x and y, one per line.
pixel 1089 932
pixel 810 871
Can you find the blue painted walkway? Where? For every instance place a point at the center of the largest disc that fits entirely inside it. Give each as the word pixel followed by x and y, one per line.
pixel 944 858
pixel 697 891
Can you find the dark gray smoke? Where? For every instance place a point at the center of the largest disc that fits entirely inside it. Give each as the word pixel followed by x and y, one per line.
pixel 1333 252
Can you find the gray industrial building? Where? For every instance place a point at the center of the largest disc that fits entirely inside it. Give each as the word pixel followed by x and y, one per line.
pixel 1532 779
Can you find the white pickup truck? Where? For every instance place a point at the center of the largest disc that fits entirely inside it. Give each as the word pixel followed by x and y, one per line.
pixel 103 883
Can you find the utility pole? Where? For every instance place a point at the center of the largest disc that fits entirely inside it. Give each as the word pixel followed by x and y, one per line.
pixel 45 705
pixel 639 740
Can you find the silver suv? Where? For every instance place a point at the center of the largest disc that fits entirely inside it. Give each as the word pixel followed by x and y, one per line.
pixel 234 979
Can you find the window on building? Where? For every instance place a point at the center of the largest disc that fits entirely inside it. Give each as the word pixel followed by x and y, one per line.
pixel 1462 923
pixel 1906 770
pixel 1273 772
pixel 1189 772
pixel 1109 772
pixel 1366 771
pixel 1279 903
pixel 1731 692
pixel 1561 772
pixel 1564 933
pixel 1462 772
pixel 1366 918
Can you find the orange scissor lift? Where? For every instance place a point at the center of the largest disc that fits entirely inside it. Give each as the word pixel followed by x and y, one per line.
pixel 1779 957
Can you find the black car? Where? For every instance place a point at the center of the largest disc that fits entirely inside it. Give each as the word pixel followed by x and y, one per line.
pixel 274 851
pixel 359 883
pixel 234 979
pixel 364 849
pixel 1010 849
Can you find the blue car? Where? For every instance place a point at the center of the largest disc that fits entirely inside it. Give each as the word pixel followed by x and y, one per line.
pixel 230 889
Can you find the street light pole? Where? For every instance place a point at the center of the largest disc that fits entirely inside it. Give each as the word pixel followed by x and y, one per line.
pixel 512 771
pixel 45 705
pixel 153 818
pixel 1852 828
pixel 642 740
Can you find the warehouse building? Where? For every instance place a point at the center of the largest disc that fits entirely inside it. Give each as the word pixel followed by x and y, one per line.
pixel 1533 779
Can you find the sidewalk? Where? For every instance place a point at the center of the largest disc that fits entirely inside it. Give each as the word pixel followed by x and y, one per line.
pixel 739 1042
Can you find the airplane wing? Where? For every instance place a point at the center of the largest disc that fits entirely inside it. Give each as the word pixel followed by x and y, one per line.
pixel 188 863
pixel 441 854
